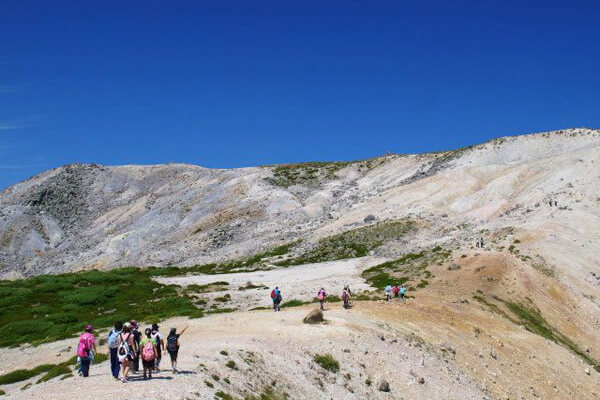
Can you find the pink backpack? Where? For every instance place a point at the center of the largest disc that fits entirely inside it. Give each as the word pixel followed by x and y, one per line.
pixel 321 295
pixel 84 347
pixel 148 351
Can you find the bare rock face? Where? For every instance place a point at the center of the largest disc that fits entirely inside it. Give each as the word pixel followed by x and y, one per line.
pixel 314 317
pixel 90 216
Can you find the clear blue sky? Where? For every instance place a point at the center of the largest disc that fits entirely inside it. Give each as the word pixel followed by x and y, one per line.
pixel 240 83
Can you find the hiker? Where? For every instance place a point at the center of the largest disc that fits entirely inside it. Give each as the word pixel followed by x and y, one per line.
pixel 160 346
pixel 321 296
pixel 403 293
pixel 113 345
pixel 276 296
pixel 347 289
pixel 388 292
pixel 86 350
pixel 126 350
pixel 477 243
pixel 481 242
pixel 173 346
pixel 137 336
pixel 149 352
pixel 346 298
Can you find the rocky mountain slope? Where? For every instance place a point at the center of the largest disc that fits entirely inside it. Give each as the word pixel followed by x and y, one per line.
pixel 518 318
pixel 90 216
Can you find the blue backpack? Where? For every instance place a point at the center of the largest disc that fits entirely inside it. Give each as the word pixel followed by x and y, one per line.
pixel 113 339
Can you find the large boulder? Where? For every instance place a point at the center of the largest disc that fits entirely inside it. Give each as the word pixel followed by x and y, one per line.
pixel 314 317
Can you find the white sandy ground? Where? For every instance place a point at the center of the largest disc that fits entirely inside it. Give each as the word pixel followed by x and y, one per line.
pixel 299 282
pixel 458 347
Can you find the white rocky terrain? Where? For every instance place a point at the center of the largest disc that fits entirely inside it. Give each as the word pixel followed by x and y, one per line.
pixel 516 319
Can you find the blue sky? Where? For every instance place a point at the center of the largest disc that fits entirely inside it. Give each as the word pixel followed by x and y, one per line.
pixel 240 83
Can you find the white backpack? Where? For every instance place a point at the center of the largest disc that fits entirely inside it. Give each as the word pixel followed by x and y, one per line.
pixel 124 349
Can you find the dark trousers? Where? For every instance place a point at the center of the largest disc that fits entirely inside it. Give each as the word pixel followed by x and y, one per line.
pixel 85 366
pixel 135 363
pixel 115 365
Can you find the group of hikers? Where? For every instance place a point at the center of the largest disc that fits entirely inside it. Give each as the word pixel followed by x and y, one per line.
pixel 127 347
pixel 397 291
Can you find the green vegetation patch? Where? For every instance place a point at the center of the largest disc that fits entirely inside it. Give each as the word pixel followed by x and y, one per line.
pixel 294 303
pixel 327 362
pixel 49 371
pixel 532 319
pixel 249 264
pixel 250 285
pixel 411 268
pixel 354 243
pixel 53 307
pixel 308 174
pixel 24 374
pixel 269 394
pixel 224 396
pixel 208 288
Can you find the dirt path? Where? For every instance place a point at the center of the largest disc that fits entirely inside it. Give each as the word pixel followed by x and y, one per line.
pixel 301 282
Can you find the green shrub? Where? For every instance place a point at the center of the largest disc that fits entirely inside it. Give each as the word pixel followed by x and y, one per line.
pixel 24 374
pixel 327 362
pixel 231 364
pixel 354 243
pixel 224 396
pixel 57 370
pixel 293 303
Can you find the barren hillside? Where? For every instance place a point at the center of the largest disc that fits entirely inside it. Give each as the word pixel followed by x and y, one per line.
pixel 518 318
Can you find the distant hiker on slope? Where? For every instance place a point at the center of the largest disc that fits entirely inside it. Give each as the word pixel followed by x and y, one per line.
pixel 346 299
pixel 321 296
pixel 160 346
pixel 113 345
pixel 396 290
pixel 276 297
pixel 388 292
pixel 86 350
pixel 403 293
pixel 347 289
pixel 173 346
pixel 149 353
pixel 126 350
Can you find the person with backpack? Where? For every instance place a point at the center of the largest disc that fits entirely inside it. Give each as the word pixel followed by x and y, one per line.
pixel 346 299
pixel 86 350
pixel 113 345
pixel 321 296
pixel 160 346
pixel 173 346
pixel 396 290
pixel 403 293
pixel 388 292
pixel 148 353
pixel 137 336
pixel 126 350
pixel 276 297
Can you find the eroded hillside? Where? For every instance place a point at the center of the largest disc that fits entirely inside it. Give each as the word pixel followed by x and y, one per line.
pixel 518 318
